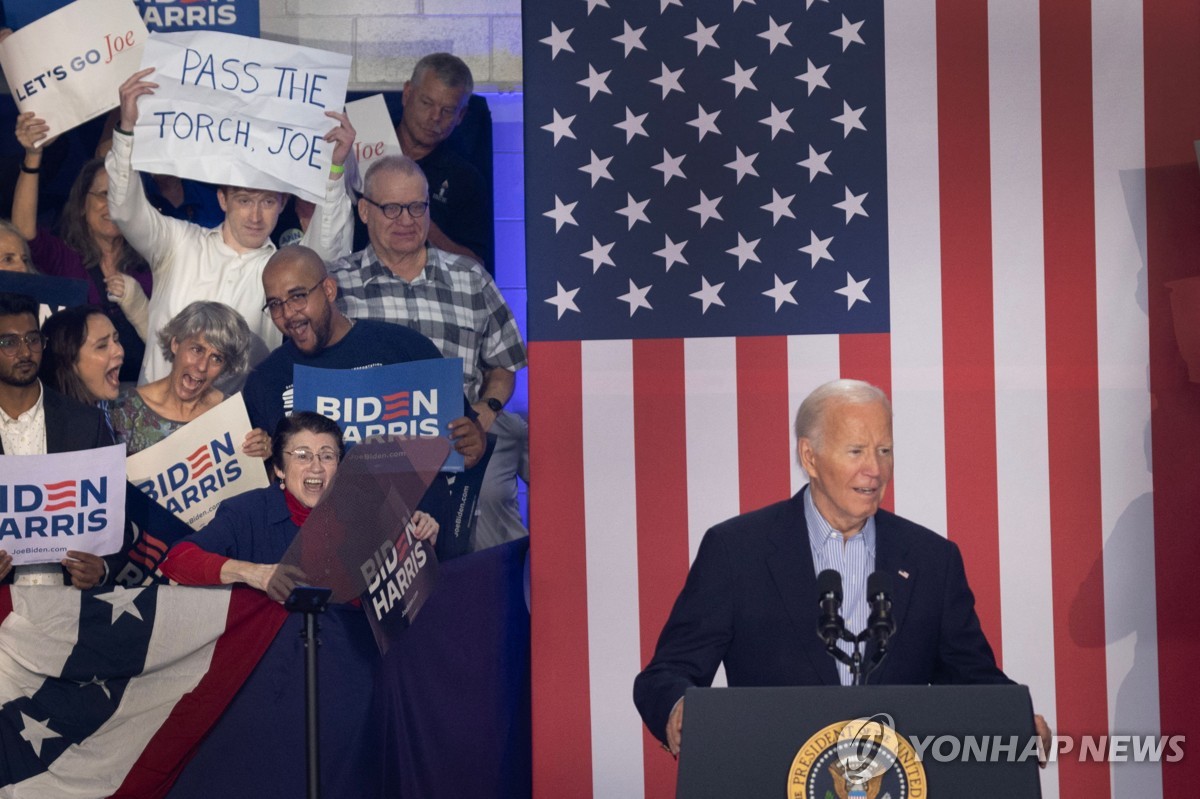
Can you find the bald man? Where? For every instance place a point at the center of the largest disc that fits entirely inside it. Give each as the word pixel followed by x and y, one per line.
pixel 300 301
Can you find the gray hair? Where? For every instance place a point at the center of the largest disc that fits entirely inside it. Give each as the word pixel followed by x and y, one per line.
pixel 400 164
pixel 811 416
pixel 448 69
pixel 9 227
pixel 223 328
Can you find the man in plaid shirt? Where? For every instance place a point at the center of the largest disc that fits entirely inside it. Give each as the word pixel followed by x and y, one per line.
pixel 401 278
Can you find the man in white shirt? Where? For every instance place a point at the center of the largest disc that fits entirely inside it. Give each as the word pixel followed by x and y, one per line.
pixel 224 264
pixel 36 420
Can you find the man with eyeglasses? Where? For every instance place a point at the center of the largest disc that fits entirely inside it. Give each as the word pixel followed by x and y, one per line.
pixel 300 302
pixel 225 263
pixel 401 278
pixel 36 420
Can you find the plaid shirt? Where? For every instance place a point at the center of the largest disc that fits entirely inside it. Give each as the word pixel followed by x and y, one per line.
pixel 453 302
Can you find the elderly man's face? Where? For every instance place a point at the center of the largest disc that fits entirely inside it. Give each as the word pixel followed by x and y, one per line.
pixel 398 239
pixel 850 469
pixel 432 110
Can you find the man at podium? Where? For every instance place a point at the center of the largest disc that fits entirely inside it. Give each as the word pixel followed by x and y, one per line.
pixel 751 596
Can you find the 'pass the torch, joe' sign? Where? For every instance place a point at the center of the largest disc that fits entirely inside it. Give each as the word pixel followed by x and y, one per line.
pixel 234 110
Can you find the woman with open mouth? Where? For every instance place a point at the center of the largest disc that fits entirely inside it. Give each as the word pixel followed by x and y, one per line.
pixel 83 355
pixel 202 342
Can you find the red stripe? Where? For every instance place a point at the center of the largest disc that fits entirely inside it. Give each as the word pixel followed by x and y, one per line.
pixel 764 465
pixel 562 727
pixel 972 512
pixel 1072 383
pixel 250 626
pixel 1172 64
pixel 5 603
pixel 868 356
pixel 660 452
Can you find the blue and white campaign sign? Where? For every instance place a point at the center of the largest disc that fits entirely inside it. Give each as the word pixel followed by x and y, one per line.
pixel 52 503
pixel 191 471
pixel 231 16
pixel 415 399
pixel 232 110
pixel 51 293
pixel 67 66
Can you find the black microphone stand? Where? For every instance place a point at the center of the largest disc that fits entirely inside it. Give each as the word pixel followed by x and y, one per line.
pixel 311 602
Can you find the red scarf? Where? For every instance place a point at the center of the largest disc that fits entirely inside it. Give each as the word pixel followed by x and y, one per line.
pixel 296 508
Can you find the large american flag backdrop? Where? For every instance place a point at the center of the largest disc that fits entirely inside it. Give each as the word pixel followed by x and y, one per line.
pixel 973 205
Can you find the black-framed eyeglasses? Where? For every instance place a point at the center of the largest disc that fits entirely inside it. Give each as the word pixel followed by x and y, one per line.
pixel 415 209
pixel 304 457
pixel 294 301
pixel 11 344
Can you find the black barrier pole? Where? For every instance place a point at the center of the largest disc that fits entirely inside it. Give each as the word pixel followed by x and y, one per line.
pixel 310 601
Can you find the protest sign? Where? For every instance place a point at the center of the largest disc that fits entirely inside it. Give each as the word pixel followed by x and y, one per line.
pixel 419 398
pixel 231 16
pixel 52 503
pixel 355 539
pixel 237 111
pixel 375 136
pixel 192 470
pixel 51 293
pixel 66 67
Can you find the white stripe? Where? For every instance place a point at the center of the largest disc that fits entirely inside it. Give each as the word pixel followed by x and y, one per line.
pixel 1018 288
pixel 1123 344
pixel 174 666
pixel 610 519
pixel 812 360
pixel 914 247
pixel 710 380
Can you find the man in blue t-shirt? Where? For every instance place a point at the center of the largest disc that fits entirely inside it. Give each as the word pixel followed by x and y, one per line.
pixel 300 300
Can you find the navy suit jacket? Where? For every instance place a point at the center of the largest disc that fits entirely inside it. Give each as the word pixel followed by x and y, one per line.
pixel 72 426
pixel 750 601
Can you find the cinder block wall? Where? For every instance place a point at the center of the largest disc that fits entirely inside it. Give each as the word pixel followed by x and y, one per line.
pixel 386 37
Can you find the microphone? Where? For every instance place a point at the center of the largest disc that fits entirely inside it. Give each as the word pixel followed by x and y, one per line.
pixel 830 624
pixel 880 623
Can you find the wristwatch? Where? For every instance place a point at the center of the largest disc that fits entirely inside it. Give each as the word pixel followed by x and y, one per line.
pixel 495 404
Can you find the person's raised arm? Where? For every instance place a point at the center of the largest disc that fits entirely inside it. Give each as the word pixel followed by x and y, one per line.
pixel 141 224
pixel 331 231
pixel 31 134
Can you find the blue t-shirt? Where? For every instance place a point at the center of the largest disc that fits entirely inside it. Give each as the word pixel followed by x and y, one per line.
pixel 268 390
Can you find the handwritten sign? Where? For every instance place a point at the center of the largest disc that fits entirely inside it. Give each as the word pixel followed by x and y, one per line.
pixel 66 67
pixel 52 503
pixel 191 471
pixel 376 136
pixel 237 111
pixel 416 399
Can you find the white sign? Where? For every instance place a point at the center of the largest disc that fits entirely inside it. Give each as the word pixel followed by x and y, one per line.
pixel 70 500
pixel 375 136
pixel 67 66
pixel 238 111
pixel 194 469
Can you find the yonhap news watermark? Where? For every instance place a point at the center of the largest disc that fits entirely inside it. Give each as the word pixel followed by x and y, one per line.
pixel 1016 748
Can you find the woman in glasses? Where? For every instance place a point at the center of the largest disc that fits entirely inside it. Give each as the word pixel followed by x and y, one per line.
pixel 204 341
pixel 250 533
pixel 89 245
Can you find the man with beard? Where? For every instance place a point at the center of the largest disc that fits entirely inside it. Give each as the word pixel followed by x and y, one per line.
pixel 300 301
pixel 36 420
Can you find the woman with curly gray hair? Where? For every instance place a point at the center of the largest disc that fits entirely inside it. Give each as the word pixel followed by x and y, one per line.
pixel 204 341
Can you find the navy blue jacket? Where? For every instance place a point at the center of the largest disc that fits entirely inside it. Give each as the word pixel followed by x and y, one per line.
pixel 750 601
